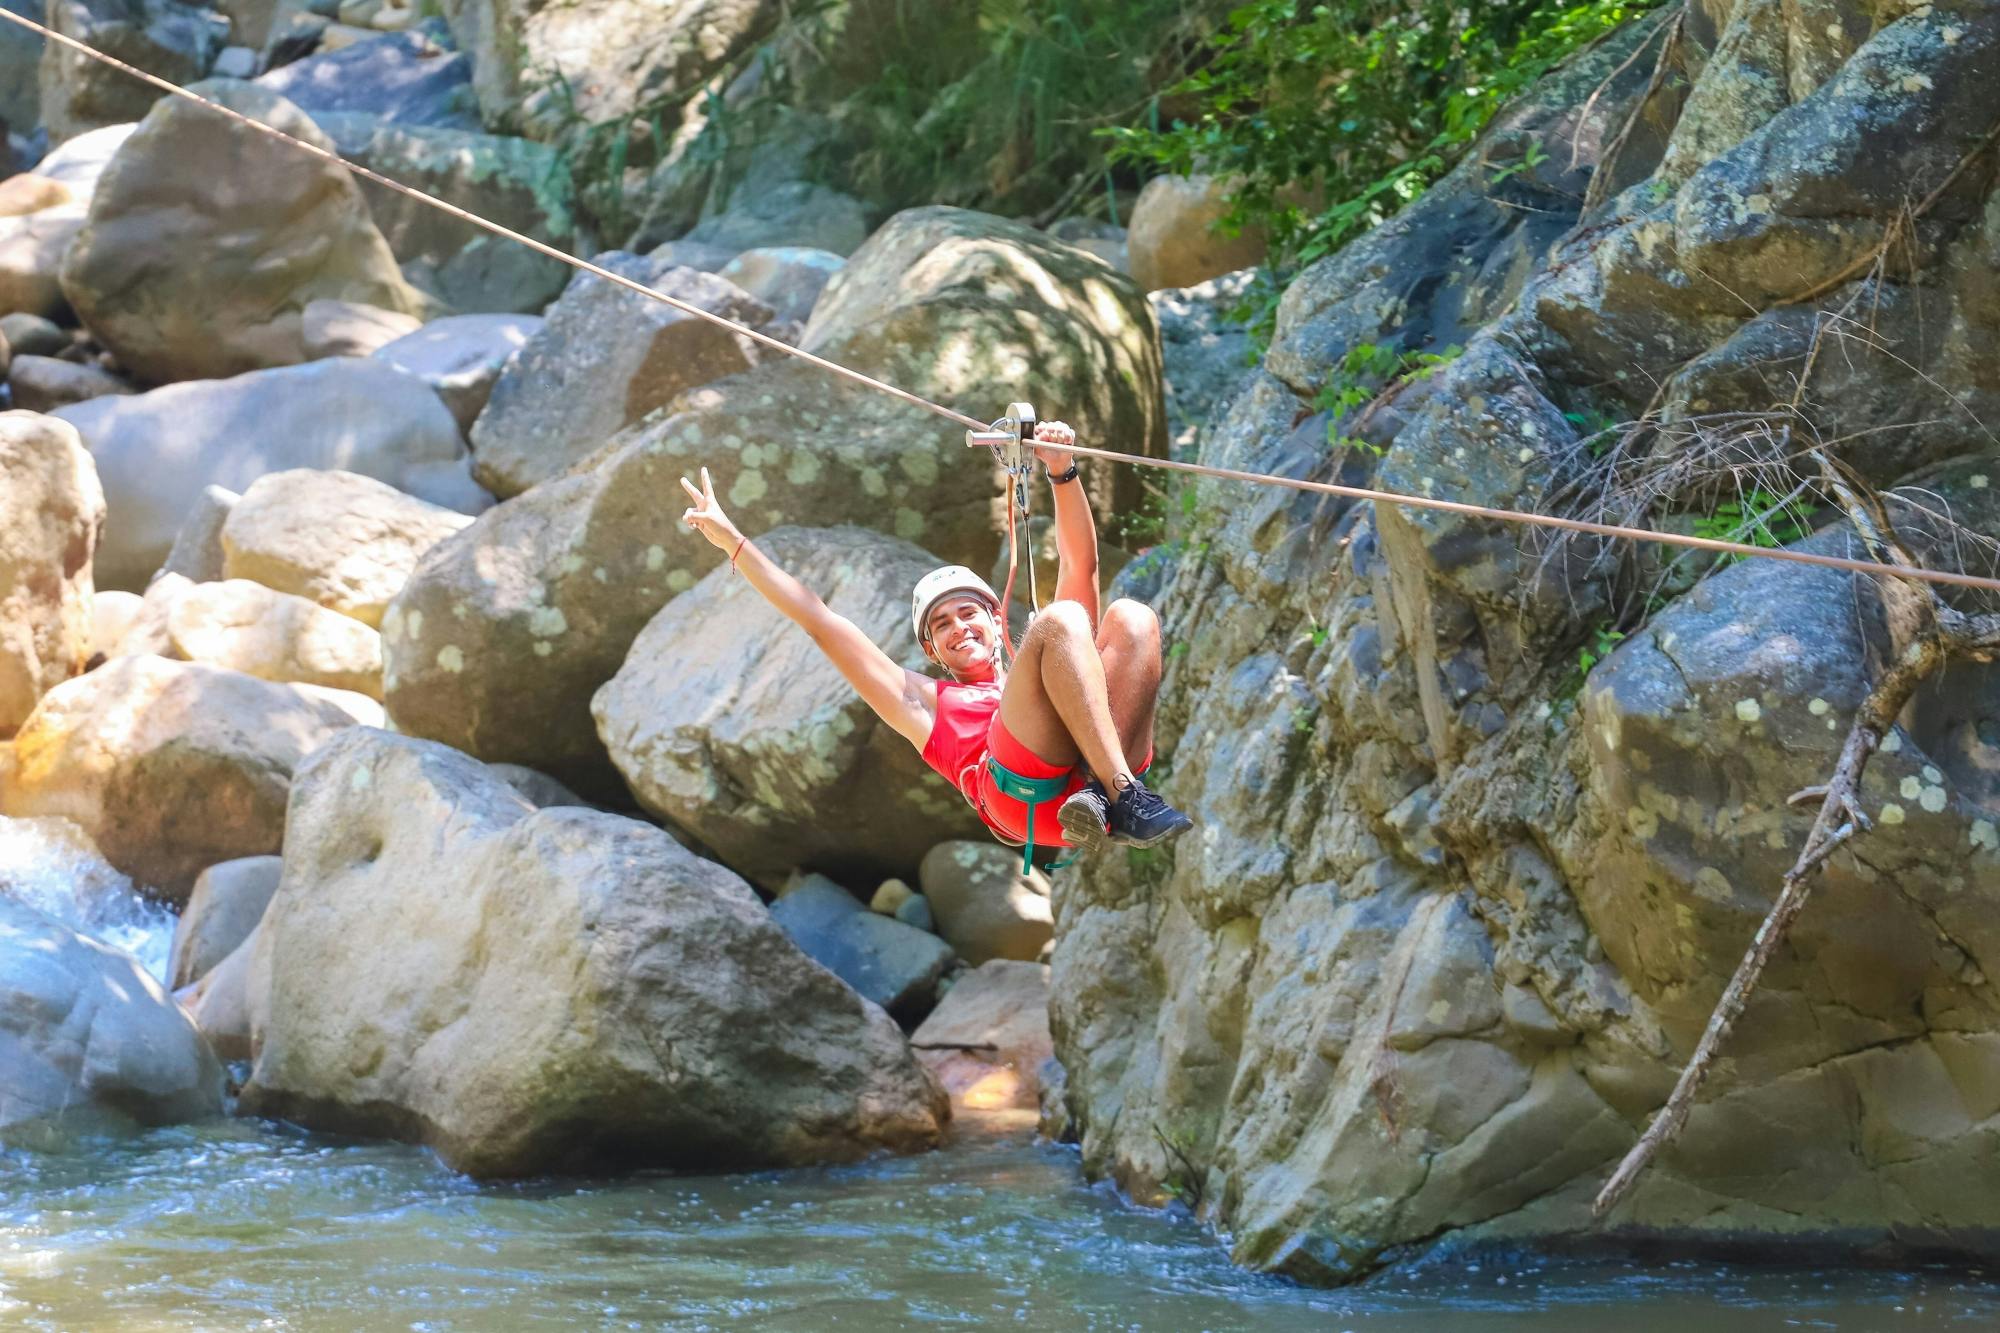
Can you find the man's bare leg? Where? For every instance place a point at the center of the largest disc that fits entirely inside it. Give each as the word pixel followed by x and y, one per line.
pixel 1057 702
pixel 1128 643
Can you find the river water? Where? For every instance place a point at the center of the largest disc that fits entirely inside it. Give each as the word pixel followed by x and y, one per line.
pixel 240 1224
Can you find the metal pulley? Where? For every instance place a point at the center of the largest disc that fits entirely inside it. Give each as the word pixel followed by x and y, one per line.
pixel 1011 439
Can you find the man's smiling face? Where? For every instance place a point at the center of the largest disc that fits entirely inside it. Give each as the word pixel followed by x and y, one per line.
pixel 965 637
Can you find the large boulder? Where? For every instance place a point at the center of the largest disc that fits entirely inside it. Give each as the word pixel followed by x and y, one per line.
pixel 545 67
pixel 345 541
pixel 156 451
pixel 887 962
pixel 88 1038
pixel 988 1039
pixel 405 78
pixel 28 193
pixel 169 766
pixel 226 904
pixel 461 356
pixel 606 357
pixel 175 41
pixel 273 635
pixel 51 511
pixel 206 240
pixel 528 991
pixel 218 1002
pixel 1174 241
pixel 728 721
pixel 985 907
pixel 517 183
pixel 555 583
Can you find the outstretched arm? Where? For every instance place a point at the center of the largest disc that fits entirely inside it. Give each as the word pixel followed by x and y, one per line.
pixel 1076 531
pixel 905 699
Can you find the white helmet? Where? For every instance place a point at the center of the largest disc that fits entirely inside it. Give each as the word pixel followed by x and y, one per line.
pixel 934 587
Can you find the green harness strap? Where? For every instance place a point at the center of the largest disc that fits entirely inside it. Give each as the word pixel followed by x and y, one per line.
pixel 1031 792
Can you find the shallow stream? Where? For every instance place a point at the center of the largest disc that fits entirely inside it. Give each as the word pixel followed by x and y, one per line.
pixel 239 1225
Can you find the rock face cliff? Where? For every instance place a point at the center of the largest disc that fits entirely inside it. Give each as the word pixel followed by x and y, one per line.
pixel 1459 903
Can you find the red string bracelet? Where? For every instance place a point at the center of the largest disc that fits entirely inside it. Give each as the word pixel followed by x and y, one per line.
pixel 738 551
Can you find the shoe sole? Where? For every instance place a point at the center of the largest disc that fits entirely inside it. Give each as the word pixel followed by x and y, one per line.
pixel 1080 828
pixel 1126 841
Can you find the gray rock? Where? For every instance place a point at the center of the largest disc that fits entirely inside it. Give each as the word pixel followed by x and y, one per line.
pixel 347 328
pixel 184 272
pixel 915 910
pixel 538 789
pixel 20 55
pixel 886 961
pixel 605 357
pixel 729 723
pixel 521 185
pixel 461 357
pixel 88 1038
pixel 46 384
pixel 691 254
pixel 616 60
pixel 196 554
pixel 31 335
pixel 1204 353
pixel 789 279
pixel 985 907
pixel 355 414
pixel 403 78
pixel 80 163
pixel 530 991
pixel 796 214
pixel 171 766
pixel 177 42
pixel 32 249
pixel 51 511
pixel 236 62
pixel 342 540
pixel 226 904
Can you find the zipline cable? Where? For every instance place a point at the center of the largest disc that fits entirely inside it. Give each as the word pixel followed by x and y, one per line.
pixel 1612 530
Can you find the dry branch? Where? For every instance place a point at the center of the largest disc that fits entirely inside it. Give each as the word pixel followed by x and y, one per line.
pixel 1925 633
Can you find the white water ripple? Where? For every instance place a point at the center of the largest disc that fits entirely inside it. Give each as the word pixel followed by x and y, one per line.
pixel 51 865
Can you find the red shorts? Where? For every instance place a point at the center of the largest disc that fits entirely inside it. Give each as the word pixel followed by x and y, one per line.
pixel 1007 817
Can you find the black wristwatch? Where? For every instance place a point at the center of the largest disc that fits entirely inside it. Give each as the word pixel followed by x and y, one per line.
pixel 1068 476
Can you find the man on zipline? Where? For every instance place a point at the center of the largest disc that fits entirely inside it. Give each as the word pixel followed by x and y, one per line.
pixel 1077 703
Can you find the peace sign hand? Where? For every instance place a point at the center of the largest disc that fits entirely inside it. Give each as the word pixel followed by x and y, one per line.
pixel 705 515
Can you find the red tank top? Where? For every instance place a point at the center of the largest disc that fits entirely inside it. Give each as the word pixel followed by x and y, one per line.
pixel 957 742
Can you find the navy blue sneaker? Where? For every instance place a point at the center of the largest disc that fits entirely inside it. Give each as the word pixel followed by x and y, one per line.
pixel 1084 817
pixel 1138 818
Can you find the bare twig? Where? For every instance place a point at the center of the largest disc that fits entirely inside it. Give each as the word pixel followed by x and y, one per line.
pixel 1925 633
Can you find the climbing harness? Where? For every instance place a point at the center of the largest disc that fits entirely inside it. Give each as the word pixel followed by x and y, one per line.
pixel 1031 792
pixel 990 431
pixel 1011 440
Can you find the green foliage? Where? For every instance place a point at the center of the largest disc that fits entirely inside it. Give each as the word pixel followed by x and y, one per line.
pixel 1366 372
pixel 1334 115
pixel 1757 519
pixel 999 108
pixel 1599 641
